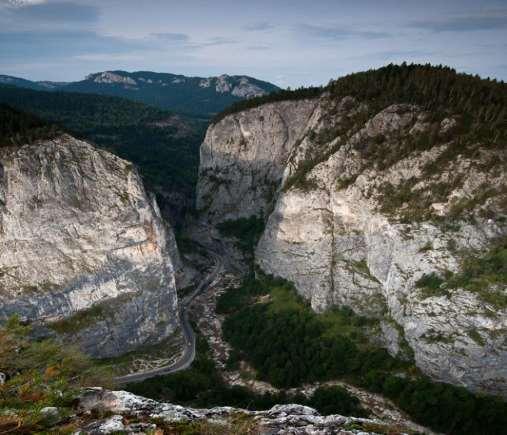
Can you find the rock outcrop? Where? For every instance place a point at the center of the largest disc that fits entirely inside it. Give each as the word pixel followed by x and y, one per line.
pixel 83 249
pixel 135 414
pixel 243 158
pixel 359 211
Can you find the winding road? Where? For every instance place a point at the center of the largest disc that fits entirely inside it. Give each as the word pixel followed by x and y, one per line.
pixel 188 355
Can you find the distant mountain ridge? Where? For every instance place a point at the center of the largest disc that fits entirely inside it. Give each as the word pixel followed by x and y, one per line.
pixel 28 84
pixel 203 96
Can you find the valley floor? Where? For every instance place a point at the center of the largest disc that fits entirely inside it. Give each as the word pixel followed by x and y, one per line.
pixel 209 324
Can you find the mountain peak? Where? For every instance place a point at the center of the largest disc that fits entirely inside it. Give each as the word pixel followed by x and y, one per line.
pixel 239 86
pixel 202 96
pixel 111 77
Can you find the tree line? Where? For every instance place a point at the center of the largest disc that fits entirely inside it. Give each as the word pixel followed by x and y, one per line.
pixel 288 345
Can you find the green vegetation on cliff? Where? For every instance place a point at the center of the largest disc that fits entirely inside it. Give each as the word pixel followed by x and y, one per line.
pixel 484 274
pixel 465 114
pixel 437 89
pixel 288 344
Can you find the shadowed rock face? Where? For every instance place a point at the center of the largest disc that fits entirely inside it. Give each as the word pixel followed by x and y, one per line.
pixel 82 244
pixel 243 158
pixel 344 233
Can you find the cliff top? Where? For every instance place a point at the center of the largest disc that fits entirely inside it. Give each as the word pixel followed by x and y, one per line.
pixel 439 89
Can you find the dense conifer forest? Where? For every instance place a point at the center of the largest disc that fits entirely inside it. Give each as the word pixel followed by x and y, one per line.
pixel 17 128
pixel 163 145
pixel 439 89
pixel 289 344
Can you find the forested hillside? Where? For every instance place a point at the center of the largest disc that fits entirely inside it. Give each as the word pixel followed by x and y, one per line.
pixel 17 127
pixel 201 96
pixel 438 89
pixel 163 145
pixel 196 95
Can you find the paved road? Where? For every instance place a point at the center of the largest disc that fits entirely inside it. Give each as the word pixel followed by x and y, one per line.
pixel 188 334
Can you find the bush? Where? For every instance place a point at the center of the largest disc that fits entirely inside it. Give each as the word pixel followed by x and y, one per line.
pixel 40 373
pixel 432 285
pixel 336 400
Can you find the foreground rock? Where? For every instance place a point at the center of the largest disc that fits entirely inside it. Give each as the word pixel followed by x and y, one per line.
pixel 135 414
pixel 83 248
pixel 356 215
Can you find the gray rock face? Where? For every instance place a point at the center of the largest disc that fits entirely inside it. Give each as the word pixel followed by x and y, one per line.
pixel 81 242
pixel 281 419
pixel 339 232
pixel 243 158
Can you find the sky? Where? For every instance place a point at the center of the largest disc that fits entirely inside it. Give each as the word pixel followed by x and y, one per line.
pixel 287 42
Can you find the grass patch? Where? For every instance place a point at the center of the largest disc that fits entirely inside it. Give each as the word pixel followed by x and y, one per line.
pixel 475 336
pixel 362 268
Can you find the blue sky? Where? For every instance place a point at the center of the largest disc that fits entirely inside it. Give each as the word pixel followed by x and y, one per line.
pixel 287 42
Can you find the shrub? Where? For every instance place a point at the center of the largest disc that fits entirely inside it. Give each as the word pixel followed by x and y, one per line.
pixel 432 285
pixel 40 373
pixel 336 400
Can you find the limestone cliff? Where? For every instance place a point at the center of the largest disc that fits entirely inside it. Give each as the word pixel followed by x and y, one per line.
pixel 243 158
pixel 83 249
pixel 371 204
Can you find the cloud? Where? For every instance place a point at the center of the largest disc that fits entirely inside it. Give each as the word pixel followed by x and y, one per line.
pixel 108 57
pixel 337 33
pixel 259 26
pixel 171 37
pixel 258 47
pixel 219 40
pixel 60 44
pixel 492 20
pixel 54 12
pixel 21 3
